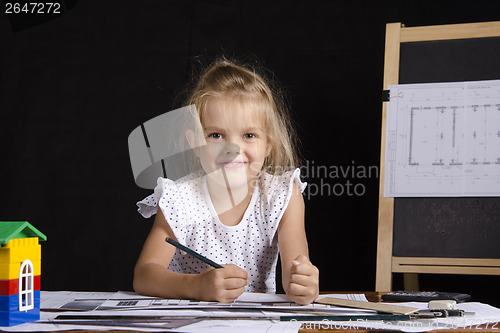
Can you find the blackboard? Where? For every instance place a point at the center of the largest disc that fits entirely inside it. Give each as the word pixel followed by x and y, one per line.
pixel 438 235
pixel 451 227
pixel 450 60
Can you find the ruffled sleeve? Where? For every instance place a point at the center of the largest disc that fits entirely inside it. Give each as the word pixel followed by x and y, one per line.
pixel 166 196
pixel 285 187
pixel 295 178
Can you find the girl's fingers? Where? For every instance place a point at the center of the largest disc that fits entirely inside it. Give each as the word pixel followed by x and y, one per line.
pixel 303 280
pixel 230 295
pixel 235 283
pixel 300 290
pixel 304 269
pixel 233 271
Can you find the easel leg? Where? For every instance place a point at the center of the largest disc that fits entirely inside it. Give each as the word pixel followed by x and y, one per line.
pixel 410 281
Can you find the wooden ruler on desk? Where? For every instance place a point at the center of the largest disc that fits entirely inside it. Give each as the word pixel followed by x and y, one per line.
pixel 380 307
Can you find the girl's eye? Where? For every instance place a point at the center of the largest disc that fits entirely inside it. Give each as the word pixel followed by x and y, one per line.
pixel 216 136
pixel 250 136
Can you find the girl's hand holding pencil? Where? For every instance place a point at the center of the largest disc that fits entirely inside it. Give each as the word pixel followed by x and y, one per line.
pixel 223 285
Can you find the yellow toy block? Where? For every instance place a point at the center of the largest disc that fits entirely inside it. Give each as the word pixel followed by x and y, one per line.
pixel 11 271
pixel 18 250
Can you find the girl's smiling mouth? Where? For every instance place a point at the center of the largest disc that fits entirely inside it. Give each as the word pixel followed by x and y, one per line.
pixel 233 164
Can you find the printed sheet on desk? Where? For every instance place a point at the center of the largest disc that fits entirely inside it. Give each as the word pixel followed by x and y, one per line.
pixel 252 312
pixel 479 314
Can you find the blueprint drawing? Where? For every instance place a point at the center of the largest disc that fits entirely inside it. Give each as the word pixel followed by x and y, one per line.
pixel 443 140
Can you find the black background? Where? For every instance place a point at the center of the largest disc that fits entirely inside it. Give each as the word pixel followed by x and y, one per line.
pixel 73 87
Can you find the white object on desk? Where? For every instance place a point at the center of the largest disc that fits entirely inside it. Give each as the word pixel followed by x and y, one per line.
pixel 442 305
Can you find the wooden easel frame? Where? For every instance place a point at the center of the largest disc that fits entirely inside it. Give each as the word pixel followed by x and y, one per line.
pixel 386 263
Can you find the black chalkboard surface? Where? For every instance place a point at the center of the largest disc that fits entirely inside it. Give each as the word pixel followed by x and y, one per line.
pixel 450 60
pixel 448 227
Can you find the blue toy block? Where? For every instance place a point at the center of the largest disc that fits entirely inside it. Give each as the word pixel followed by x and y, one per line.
pixel 10 314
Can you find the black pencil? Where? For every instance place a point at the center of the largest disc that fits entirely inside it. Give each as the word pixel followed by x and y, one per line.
pixel 197 255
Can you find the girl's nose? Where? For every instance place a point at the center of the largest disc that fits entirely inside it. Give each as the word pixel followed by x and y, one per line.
pixel 231 148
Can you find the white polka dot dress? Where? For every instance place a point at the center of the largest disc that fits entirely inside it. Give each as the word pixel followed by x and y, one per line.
pixel 251 244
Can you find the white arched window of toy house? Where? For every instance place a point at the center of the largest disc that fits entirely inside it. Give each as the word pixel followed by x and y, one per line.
pixel 26 281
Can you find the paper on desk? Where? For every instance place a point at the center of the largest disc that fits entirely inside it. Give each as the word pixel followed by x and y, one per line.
pixel 213 324
pixel 54 300
pixel 249 297
pixel 241 326
pixel 87 302
pixel 484 314
pixel 129 300
pixel 353 297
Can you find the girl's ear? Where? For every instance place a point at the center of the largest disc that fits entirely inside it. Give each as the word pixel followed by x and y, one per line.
pixel 190 137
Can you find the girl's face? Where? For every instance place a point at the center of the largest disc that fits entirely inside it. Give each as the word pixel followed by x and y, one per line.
pixel 236 140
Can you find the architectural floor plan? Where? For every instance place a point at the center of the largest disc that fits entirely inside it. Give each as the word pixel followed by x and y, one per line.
pixel 443 139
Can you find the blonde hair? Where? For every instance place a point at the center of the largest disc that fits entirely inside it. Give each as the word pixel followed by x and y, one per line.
pixel 225 78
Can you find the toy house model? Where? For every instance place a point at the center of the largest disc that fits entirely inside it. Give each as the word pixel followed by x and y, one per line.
pixel 20 267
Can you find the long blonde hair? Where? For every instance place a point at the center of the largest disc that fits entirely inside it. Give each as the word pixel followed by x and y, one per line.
pixel 227 78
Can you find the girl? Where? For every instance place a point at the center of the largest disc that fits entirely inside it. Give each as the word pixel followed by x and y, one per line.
pixel 246 201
